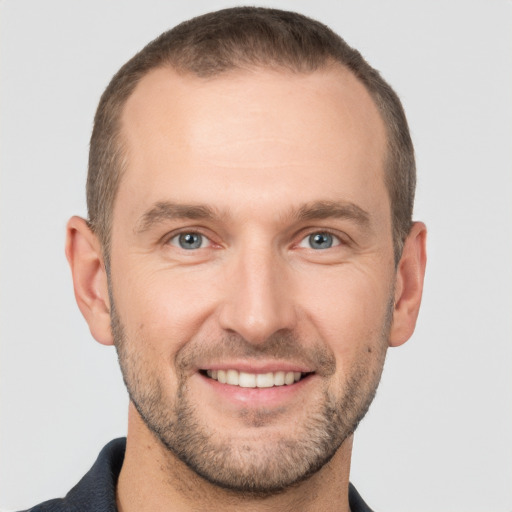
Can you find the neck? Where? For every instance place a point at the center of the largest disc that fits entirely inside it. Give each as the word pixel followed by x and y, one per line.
pixel 153 479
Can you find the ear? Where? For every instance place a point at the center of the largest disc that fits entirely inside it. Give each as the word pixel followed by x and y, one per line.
pixel 83 251
pixel 409 285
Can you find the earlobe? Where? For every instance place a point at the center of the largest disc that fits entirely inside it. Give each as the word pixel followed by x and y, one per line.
pixel 83 251
pixel 409 285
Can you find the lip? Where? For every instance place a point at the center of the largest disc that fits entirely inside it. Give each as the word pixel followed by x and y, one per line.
pixel 267 398
pixel 258 367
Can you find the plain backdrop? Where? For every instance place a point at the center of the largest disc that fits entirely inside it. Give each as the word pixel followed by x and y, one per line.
pixel 439 434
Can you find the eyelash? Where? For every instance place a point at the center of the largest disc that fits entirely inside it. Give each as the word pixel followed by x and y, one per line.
pixel 338 240
pixel 168 240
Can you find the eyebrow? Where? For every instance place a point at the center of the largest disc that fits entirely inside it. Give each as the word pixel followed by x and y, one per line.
pixel 333 210
pixel 166 210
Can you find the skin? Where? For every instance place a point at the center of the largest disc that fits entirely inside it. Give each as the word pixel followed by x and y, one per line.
pixel 257 148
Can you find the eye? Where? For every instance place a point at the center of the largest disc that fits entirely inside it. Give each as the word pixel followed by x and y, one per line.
pixel 320 240
pixel 190 241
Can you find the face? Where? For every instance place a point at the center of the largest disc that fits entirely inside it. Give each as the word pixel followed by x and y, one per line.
pixel 252 268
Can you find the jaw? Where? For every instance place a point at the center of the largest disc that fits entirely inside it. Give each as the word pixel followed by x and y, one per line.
pixel 170 478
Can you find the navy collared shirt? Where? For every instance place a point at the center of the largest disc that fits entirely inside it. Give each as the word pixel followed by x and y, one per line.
pixel 96 492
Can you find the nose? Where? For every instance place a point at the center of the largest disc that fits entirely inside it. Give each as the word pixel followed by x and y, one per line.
pixel 259 299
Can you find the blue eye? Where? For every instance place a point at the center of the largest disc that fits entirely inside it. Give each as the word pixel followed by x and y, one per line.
pixel 320 240
pixel 189 241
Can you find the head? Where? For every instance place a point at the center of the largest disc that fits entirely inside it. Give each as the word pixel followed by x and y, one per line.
pixel 250 250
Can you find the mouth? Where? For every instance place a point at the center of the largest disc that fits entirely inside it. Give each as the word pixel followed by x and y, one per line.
pixel 233 377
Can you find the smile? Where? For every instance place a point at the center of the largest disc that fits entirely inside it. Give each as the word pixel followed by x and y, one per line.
pixel 255 380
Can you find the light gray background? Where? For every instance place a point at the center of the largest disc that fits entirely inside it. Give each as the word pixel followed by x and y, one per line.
pixel 439 435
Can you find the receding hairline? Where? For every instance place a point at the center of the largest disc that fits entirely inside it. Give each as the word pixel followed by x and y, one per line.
pixel 244 71
pixel 231 75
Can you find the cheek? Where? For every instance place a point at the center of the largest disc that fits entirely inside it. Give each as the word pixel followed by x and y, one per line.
pixel 165 309
pixel 350 313
pixel 351 318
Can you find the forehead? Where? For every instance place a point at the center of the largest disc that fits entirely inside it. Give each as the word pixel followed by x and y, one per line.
pixel 251 130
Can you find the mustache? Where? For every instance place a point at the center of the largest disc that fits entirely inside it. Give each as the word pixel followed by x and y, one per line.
pixel 281 346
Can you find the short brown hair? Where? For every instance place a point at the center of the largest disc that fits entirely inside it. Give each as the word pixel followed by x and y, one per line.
pixel 242 38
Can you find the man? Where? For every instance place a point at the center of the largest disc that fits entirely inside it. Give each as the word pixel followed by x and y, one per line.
pixel 251 255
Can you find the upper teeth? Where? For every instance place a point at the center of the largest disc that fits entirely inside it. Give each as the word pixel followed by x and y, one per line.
pixel 254 380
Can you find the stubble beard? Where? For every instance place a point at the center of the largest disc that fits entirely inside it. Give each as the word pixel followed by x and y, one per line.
pixel 257 468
